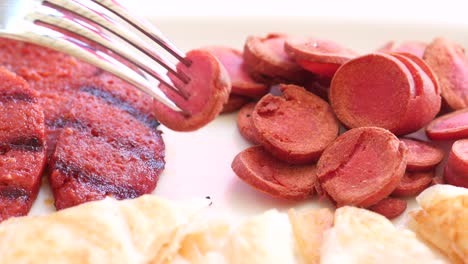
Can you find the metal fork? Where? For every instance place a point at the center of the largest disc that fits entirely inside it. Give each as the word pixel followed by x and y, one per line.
pixel 64 24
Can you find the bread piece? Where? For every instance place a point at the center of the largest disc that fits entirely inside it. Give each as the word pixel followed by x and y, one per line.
pixel 261 239
pixel 203 243
pixel 107 231
pixel 443 220
pixel 361 236
pixel 308 229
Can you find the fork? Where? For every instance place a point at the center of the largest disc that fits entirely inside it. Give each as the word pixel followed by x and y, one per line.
pixel 75 27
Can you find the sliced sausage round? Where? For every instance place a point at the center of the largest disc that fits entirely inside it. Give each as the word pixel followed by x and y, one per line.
pixel 391 91
pixel 267 62
pixel 319 56
pixel 456 170
pixel 416 48
pixel 96 157
pixel 208 90
pixel 449 62
pixel 295 127
pixel 245 123
pixel 423 66
pixel 389 207
pixel 362 166
pixel 449 126
pixel 234 103
pixel 233 61
pixel 413 183
pixel 259 169
pixel 422 155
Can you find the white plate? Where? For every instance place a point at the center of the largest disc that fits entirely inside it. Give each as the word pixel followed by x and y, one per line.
pixel 198 164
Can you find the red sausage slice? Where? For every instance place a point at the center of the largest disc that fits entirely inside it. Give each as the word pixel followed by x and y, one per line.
pixel 389 207
pixel 267 62
pixel 322 57
pixel 413 183
pixel 450 126
pixel 456 170
pixel 295 127
pixel 96 157
pixel 234 103
pixel 245 123
pixel 22 145
pixel 425 100
pixel 423 66
pixel 386 90
pixel 258 168
pixel 416 48
pixel 363 166
pixel 208 90
pixel 449 62
pixel 422 155
pixel 233 61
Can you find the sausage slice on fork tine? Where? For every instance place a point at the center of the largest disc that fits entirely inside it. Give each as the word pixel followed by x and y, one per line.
pixel 208 90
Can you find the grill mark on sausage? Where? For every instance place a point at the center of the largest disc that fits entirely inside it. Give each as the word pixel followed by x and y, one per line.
pixel 151 157
pixel 13 193
pixel 63 122
pixel 131 147
pixel 94 181
pixel 32 144
pixel 17 96
pixel 60 122
pixel 121 104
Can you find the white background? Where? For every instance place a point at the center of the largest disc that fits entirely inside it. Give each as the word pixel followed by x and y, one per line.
pixel 430 11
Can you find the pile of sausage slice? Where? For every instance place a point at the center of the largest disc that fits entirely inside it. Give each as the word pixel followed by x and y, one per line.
pixel 326 120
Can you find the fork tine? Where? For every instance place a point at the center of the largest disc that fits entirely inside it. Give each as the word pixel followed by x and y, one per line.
pixel 145 28
pixel 101 16
pixel 56 19
pixel 50 38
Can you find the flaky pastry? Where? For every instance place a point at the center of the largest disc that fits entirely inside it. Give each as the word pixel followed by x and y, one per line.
pixel 308 228
pixel 151 230
pixel 443 220
pixel 107 231
pixel 361 236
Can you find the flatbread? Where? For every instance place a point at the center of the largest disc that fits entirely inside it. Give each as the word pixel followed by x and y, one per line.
pixel 107 231
pixel 361 236
pixel 308 228
pixel 443 220
pixel 263 239
pixel 151 230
